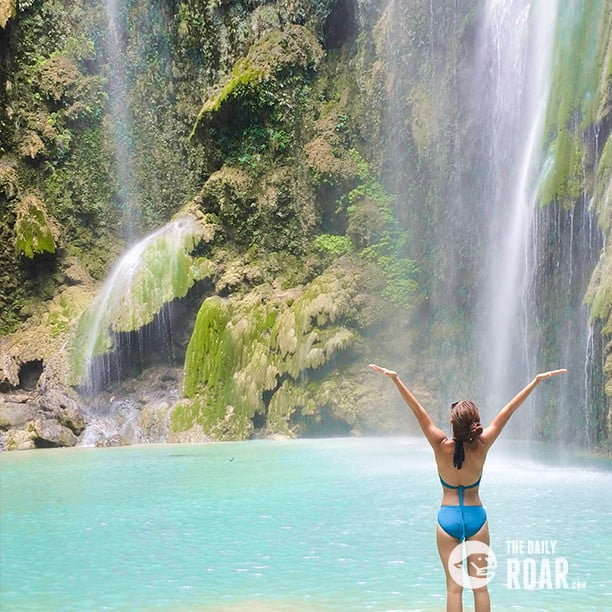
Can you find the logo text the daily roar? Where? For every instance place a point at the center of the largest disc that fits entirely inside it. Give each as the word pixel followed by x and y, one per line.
pixel 533 565
pixel 530 565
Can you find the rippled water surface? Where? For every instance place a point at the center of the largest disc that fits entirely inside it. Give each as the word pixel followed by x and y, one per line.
pixel 306 525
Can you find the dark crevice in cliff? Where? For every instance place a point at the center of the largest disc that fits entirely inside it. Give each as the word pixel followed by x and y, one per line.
pixel 40 443
pixel 29 374
pixel 259 421
pixel 341 24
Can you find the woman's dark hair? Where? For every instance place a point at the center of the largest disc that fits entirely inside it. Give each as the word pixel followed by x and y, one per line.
pixel 465 420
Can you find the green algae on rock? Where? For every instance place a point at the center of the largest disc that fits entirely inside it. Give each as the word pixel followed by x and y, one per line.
pixel 34 231
pixel 276 53
pixel 264 343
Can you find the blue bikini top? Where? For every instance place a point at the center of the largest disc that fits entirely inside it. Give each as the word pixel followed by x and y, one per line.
pixel 460 487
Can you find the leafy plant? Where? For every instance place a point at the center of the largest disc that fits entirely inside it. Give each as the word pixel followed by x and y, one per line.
pixel 333 245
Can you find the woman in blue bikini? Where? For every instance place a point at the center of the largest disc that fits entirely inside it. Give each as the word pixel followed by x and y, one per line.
pixel 460 461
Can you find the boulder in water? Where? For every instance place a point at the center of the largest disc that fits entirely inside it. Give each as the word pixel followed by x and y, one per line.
pixel 49 432
pixel 58 404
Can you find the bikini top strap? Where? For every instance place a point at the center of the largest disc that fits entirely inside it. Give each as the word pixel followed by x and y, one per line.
pixel 475 484
pixel 448 486
pixel 445 484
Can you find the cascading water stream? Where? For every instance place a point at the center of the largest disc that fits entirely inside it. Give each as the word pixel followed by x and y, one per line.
pixel 118 90
pixel 153 272
pixel 514 66
pixel 506 276
pixel 130 323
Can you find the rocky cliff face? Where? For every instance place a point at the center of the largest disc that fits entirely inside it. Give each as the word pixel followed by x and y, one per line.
pixel 319 144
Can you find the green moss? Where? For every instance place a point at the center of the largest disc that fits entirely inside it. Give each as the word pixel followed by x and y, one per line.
pixel 34 232
pixel 241 350
pixel 599 292
pixel 226 369
pixel 578 87
pixel 604 183
pixel 287 399
pixel 599 295
pixel 276 54
pixel 561 178
pixel 243 75
pixel 206 340
pixel 582 32
pixel 333 245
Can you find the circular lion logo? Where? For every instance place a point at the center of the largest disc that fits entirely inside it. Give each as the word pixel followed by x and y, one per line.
pixel 481 564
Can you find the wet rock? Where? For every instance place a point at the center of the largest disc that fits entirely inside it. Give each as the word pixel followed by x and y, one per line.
pixel 153 422
pixel 194 434
pixel 111 441
pixel 14 415
pixel 19 398
pixel 59 405
pixel 18 439
pixel 70 417
pixel 49 432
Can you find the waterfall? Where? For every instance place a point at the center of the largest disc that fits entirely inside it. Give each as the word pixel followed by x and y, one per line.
pixel 512 73
pixel 119 101
pixel 470 145
pixel 131 309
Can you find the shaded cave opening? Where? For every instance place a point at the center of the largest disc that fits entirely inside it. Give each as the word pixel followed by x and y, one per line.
pixel 259 420
pixel 40 443
pixel 30 373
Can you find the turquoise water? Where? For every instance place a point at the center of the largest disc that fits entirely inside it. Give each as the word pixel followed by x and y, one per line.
pixel 341 524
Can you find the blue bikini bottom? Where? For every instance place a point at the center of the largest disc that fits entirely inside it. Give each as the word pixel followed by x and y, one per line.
pixel 461 521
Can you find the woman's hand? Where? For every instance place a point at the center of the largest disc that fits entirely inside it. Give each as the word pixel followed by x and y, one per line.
pixel 389 373
pixel 540 377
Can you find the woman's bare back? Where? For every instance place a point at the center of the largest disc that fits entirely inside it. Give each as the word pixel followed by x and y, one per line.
pixel 470 472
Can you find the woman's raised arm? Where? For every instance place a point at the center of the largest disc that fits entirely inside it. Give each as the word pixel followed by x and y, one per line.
pixel 434 435
pixel 490 434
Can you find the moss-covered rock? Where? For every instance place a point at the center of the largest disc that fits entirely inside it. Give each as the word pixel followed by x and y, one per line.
pixel 599 292
pixel 240 349
pixel 327 156
pixel 579 91
pixel 155 271
pixel 44 336
pixel 266 64
pixel 34 231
